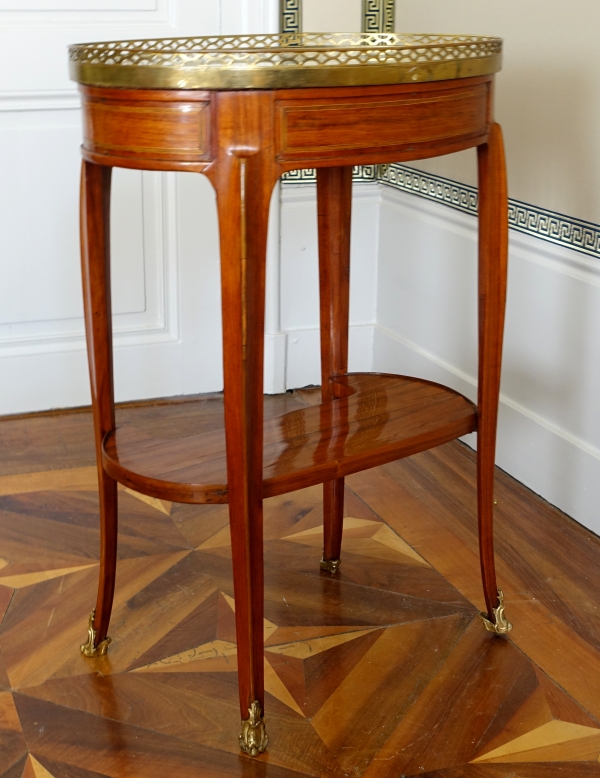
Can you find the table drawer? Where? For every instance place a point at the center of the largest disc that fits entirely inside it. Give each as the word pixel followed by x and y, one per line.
pixel 313 128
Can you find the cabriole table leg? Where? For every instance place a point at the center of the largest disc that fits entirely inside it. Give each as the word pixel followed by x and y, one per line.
pixel 493 258
pixel 95 265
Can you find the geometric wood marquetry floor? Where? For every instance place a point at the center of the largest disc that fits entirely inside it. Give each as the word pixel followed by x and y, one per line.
pixel 383 671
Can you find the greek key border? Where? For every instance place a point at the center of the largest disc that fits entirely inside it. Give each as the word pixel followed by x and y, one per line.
pixel 290 15
pixel 378 15
pixel 462 197
pixel 557 228
pixel 361 173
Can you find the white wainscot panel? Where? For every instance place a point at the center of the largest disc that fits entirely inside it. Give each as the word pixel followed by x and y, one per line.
pixel 40 294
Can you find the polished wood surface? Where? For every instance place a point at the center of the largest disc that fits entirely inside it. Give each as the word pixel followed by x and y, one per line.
pixel 316 125
pixel 381 671
pixel 383 418
pixel 147 129
pixel 243 141
pixel 162 129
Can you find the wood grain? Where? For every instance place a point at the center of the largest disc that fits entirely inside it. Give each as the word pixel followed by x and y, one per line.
pixel 385 418
pixel 315 128
pixel 383 670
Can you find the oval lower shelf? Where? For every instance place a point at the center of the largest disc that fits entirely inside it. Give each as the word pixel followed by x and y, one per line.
pixel 375 419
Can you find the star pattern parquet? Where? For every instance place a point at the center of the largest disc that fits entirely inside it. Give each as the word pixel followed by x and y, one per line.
pixel 381 671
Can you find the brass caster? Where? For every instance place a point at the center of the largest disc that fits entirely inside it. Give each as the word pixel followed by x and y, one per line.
pixel 90 649
pixel 500 625
pixel 253 737
pixel 330 565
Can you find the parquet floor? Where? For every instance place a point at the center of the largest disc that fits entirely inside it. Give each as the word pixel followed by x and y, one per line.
pixel 384 671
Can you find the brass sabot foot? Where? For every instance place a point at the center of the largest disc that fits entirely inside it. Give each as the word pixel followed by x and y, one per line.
pixel 90 648
pixel 500 625
pixel 330 565
pixel 253 737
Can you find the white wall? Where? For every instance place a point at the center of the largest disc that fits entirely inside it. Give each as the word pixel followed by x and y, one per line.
pixel 549 427
pixel 547 95
pixel 332 15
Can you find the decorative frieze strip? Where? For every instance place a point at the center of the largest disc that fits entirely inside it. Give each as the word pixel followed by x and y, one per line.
pixel 290 15
pixel 309 176
pixel 378 15
pixel 557 228
pixel 460 196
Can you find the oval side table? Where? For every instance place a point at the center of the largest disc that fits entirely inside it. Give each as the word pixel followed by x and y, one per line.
pixel 243 111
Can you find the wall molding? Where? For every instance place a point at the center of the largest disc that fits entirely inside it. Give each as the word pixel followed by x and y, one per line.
pixel 300 193
pixel 48 100
pixel 78 6
pixel 69 13
pixel 462 197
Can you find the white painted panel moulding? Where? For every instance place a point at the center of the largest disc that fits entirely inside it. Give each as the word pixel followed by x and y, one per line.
pixel 427 296
pixel 57 100
pixel 78 5
pixel 101 15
